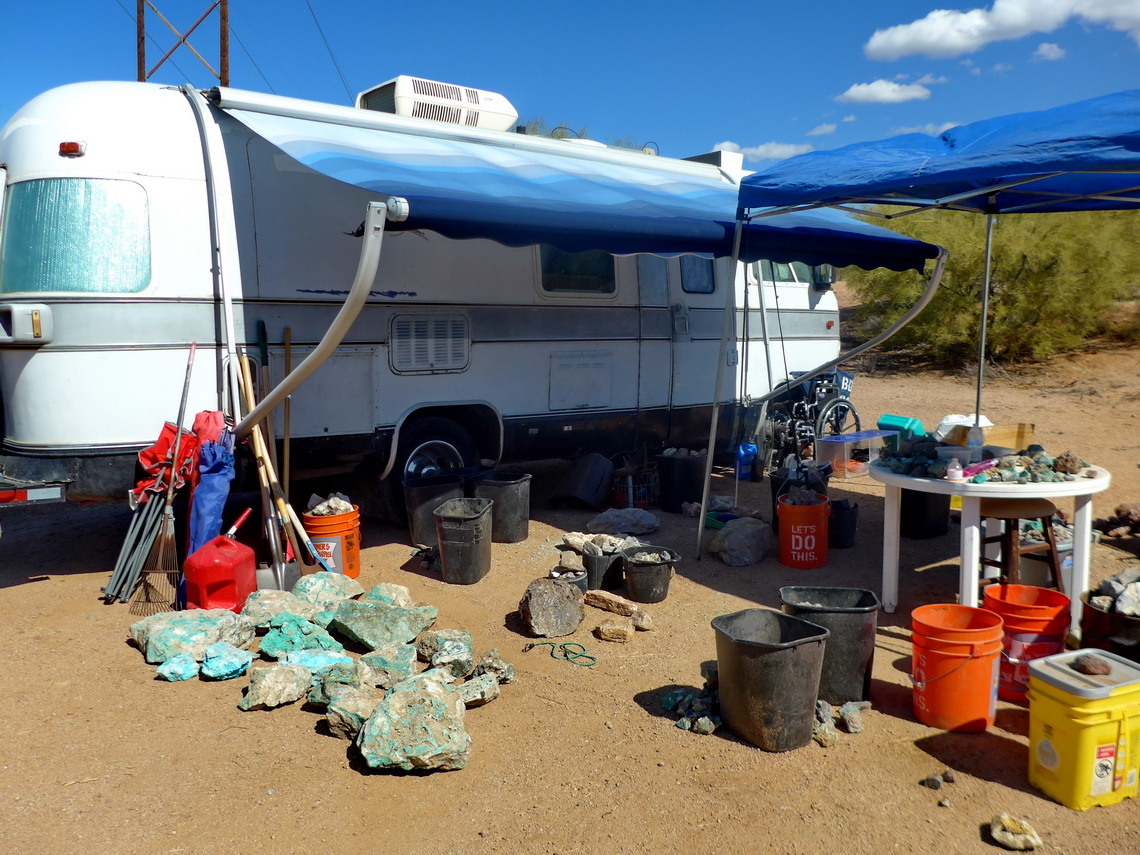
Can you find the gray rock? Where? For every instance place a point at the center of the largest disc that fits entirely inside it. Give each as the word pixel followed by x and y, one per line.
pixel 375 624
pixel 262 605
pixel 852 717
pixel 275 686
pixel 1128 603
pixel 391 594
pixel 824 733
pixel 332 681
pixel 223 661
pixel 386 666
pixel 289 632
pixel 430 642
pixel 1127 576
pixel 492 663
pixel 624 521
pixel 479 690
pixel 348 710
pixel 742 541
pixel 932 782
pixel 551 608
pixel 705 725
pixel 571 562
pixel 456 655
pixel 326 590
pixel 1103 604
pixel 1012 833
pixel 1111 587
pixel 417 725
pixel 166 635
pixel 178 668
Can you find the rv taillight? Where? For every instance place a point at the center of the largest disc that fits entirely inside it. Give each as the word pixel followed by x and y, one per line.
pixel 72 149
pixel 830 324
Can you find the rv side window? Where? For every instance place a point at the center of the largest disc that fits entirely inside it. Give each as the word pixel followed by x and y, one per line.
pixel 697 275
pixel 653 280
pixel 590 272
pixel 75 234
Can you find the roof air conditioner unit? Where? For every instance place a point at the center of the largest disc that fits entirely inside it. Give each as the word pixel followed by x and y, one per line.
pixel 442 102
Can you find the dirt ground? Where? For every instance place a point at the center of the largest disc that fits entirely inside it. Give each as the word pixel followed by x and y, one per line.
pixel 99 756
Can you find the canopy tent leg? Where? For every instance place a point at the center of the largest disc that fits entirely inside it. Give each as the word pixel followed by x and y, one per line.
pixel 985 316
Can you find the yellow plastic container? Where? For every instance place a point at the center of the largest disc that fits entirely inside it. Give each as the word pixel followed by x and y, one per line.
pixel 1084 731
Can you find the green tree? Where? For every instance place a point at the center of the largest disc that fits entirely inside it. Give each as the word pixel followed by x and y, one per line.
pixel 1057 280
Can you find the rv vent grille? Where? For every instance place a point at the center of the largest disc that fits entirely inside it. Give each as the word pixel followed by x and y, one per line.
pixel 437 90
pixel 429 343
pixel 472 96
pixel 472 118
pixel 439 112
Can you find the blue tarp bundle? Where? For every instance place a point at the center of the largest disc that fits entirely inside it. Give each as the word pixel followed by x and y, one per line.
pixel 216 471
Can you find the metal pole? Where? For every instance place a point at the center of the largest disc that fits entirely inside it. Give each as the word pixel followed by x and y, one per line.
pixel 985 316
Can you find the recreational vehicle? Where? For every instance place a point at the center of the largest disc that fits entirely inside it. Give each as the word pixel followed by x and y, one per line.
pixel 139 218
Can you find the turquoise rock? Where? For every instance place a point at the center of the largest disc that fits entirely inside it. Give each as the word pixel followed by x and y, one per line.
pixel 332 680
pixel 456 655
pixel 492 663
pixel 388 665
pixel 417 726
pixel 326 590
pixel 273 687
pixel 163 636
pixel 289 632
pixel 224 661
pixel 180 667
pixel 348 711
pixel 316 660
pixel 263 606
pixel 375 624
pixel 323 618
pixel 391 595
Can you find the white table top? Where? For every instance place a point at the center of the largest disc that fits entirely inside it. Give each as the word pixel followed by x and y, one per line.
pixel 1094 479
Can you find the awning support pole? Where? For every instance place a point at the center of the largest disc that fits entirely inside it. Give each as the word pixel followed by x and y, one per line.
pixel 985 316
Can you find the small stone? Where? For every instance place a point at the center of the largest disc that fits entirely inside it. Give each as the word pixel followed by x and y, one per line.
pixel 673 699
pixel 852 717
pixel 571 562
pixel 479 690
pixel 823 711
pixel 949 777
pixel 326 590
pixel 706 725
pixel 1102 603
pixel 641 621
pixel 934 782
pixel 1012 833
pixel 944 802
pixel 824 733
pixel 1128 603
pixel 1088 663
pixel 615 629
pixel 492 663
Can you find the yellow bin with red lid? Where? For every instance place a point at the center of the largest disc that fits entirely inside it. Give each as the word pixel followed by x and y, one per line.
pixel 1084 729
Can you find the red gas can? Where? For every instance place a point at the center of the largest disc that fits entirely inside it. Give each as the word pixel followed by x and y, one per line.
pixel 221 574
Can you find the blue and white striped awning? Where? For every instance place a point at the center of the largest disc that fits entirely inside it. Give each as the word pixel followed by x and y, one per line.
pixel 521 190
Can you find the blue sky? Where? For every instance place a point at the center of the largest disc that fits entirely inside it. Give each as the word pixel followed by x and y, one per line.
pixel 771 79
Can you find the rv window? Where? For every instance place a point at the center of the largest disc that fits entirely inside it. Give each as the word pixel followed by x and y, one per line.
pixel 697 275
pixel 590 272
pixel 653 280
pixel 75 234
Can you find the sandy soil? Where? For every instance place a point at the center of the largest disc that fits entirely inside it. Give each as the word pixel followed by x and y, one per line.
pixel 101 757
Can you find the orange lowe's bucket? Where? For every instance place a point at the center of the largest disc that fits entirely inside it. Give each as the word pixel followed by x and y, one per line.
pixel 803 533
pixel 1035 621
pixel 956 652
pixel 337 540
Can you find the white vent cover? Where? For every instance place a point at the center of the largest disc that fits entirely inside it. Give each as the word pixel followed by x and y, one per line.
pixel 441 102
pixel 429 343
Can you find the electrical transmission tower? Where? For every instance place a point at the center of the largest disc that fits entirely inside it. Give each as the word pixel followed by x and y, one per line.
pixel 223 72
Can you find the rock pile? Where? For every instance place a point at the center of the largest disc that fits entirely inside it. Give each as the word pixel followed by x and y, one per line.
pixel 396 716
pixel 1119 593
pixel 698 712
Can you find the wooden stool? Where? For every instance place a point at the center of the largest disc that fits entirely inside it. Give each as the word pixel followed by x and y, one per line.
pixel 1010 512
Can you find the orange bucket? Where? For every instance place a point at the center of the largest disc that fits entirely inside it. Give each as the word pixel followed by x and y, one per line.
pixel 336 539
pixel 956 655
pixel 803 533
pixel 1036 621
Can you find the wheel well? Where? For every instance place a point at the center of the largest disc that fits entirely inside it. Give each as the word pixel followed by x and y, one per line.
pixel 482 421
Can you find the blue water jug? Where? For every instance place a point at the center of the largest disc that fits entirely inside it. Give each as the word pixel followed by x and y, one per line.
pixel 745 455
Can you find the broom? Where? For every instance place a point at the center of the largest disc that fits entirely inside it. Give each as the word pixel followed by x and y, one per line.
pixel 157 590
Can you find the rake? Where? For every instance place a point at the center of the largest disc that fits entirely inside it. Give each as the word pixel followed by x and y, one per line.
pixel 157 589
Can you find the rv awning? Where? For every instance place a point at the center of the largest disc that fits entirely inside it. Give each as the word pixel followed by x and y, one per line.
pixel 521 190
pixel 1080 157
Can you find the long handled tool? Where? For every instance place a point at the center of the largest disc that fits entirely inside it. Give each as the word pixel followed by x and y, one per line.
pixel 157 589
pixel 286 414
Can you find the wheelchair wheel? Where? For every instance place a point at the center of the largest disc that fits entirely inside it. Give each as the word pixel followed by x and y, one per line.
pixel 838 416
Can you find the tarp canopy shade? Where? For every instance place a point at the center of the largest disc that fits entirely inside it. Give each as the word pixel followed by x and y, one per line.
pixel 520 190
pixel 1079 157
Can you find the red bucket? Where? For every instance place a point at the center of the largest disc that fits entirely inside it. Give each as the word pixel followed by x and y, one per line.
pixel 1036 621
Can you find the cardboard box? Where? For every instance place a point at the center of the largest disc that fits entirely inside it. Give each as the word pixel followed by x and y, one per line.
pixel 1017 436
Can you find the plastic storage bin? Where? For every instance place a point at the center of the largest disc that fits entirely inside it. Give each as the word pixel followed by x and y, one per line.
pixel 1084 730
pixel 906 427
pixel 850 454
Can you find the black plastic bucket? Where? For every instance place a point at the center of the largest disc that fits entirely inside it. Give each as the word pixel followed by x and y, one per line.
pixel 842 524
pixel 769 665
pixel 510 515
pixel 463 527
pixel 851 616
pixel 1112 631
pixel 923 515
pixel 681 479
pixel 648 581
pixel 421 497
pixel 783 479
pixel 604 572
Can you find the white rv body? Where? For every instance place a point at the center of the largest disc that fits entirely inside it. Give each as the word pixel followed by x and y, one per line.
pixel 110 253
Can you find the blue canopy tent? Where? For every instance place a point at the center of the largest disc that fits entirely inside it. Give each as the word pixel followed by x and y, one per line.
pixel 1080 157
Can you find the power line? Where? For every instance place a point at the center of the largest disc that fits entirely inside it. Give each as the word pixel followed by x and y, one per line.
pixel 329 49
pixel 249 56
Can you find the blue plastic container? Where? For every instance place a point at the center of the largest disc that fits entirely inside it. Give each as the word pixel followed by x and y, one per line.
pixel 745 457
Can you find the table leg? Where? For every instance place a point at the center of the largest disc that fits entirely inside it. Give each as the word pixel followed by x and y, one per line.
pixel 971 548
pixel 1078 581
pixel 893 501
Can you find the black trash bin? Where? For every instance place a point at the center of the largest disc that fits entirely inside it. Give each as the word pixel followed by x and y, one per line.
pixel 923 515
pixel 769 665
pixel 783 479
pixel 604 571
pixel 463 527
pixel 424 495
pixel 647 578
pixel 842 524
pixel 681 479
pixel 510 515
pixel 851 616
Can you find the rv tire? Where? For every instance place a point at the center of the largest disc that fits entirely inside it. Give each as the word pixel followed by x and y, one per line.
pixel 427 446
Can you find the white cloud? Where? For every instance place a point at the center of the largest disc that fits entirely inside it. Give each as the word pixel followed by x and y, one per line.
pixel 1002 68
pixel 767 151
pixel 1049 52
pixel 884 92
pixel 850 118
pixel 931 80
pixel 947 33
pixel 932 129
pixel 822 130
